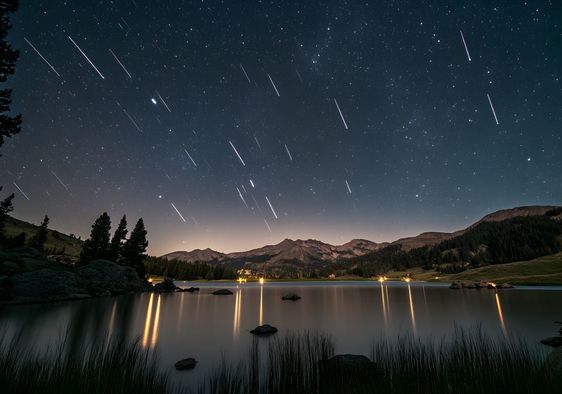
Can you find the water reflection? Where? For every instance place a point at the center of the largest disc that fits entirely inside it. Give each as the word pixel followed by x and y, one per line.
pixel 261 303
pixel 384 312
pixel 500 314
pixel 237 313
pixel 413 316
pixel 148 322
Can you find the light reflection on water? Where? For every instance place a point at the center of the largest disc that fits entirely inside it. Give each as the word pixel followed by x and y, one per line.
pixel 208 327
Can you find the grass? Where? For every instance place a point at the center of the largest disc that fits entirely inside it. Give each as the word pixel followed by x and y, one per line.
pixel 115 367
pixel 546 270
pixel 468 362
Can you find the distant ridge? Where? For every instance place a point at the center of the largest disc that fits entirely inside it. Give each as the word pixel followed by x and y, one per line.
pixel 307 251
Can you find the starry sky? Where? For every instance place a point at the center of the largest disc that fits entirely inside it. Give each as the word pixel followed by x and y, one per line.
pixel 234 124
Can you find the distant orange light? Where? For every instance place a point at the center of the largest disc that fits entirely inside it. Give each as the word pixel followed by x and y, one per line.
pixel 381 279
pixel 407 279
pixel 261 281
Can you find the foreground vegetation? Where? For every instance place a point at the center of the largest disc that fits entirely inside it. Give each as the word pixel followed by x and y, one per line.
pixel 468 362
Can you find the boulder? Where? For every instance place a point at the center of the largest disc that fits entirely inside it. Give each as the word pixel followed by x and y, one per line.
pixel 338 372
pixel 291 297
pixel 455 286
pixel 266 329
pixel 166 286
pixel 45 285
pixel 552 341
pixel 222 292
pixel 103 277
pixel 505 286
pixel 188 289
pixel 185 364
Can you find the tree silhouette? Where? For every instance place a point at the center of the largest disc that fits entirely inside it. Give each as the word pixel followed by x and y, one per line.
pixel 6 207
pixel 97 246
pixel 117 242
pixel 39 239
pixel 135 248
pixel 9 124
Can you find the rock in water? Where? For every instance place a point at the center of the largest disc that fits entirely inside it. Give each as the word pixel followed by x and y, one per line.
pixel 166 286
pixel 266 329
pixel 190 289
pixel 552 341
pixel 186 363
pixel 455 286
pixel 222 292
pixel 291 297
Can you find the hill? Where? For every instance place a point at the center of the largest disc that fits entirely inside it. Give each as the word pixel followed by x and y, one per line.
pixel 56 241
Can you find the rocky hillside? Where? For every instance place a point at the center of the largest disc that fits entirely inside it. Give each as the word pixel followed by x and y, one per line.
pixel 56 241
pixel 304 251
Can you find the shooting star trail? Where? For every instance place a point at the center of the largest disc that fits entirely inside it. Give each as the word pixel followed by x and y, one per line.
pixel 271 206
pixel 163 102
pixel 274 87
pixel 60 181
pixel 245 73
pixel 21 191
pixel 121 64
pixel 465 46
pixel 129 116
pixel 348 188
pixel 493 110
pixel 288 152
pixel 190 158
pixel 299 75
pixel 341 115
pixel 252 183
pixel 178 212
pixel 267 224
pixel 237 154
pixel 87 58
pixel 242 197
pixel 257 142
pixel 42 57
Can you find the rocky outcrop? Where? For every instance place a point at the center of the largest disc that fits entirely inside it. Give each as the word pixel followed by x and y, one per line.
pixel 98 278
pixel 166 286
pixel 188 289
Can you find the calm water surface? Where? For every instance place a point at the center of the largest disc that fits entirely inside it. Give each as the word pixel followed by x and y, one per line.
pixel 209 327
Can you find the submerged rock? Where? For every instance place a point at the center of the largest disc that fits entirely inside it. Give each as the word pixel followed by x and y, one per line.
pixel 185 364
pixel 552 341
pixel 291 297
pixel 222 292
pixel 266 329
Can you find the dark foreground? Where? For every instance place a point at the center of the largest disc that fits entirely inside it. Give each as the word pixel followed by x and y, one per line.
pixel 296 363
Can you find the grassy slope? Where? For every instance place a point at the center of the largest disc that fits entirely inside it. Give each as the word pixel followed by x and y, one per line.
pixel 541 271
pixel 55 239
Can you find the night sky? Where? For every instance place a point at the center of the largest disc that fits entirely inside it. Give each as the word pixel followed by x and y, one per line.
pixel 213 108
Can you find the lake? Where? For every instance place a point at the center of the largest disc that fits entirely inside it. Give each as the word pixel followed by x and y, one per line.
pixel 209 327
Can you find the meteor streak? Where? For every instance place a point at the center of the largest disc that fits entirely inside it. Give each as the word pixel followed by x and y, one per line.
pixel 493 110
pixel 274 87
pixel 163 102
pixel 42 57
pixel 190 158
pixel 121 64
pixel 271 207
pixel 341 115
pixel 465 47
pixel 178 212
pixel 87 58
pixel 237 154
pixel 245 73
pixel 289 153
pixel 22 192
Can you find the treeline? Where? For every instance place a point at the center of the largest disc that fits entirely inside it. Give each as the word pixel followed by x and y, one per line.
pixel 516 239
pixel 182 270
pixel 116 248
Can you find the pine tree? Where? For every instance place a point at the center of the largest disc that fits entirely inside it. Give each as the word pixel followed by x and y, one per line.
pixel 39 239
pixel 97 246
pixel 9 125
pixel 6 207
pixel 117 242
pixel 135 247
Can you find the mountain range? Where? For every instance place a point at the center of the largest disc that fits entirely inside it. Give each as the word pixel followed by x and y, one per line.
pixel 295 252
